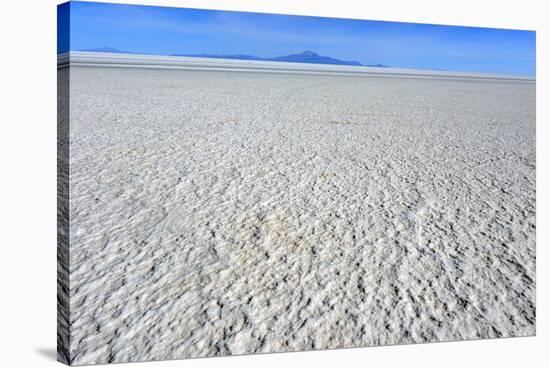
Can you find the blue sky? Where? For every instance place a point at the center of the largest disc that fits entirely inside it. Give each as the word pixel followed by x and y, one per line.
pixel 165 31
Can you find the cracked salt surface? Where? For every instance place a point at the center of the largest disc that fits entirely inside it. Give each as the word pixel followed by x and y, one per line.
pixel 219 213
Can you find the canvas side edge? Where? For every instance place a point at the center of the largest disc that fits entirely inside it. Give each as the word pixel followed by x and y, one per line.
pixel 63 204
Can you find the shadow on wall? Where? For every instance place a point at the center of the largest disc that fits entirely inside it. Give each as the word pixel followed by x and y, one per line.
pixel 48 353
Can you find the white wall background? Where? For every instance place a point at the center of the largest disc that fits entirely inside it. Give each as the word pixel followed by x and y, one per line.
pixel 28 181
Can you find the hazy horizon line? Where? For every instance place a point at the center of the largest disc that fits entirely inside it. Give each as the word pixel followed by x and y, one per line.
pixel 158 30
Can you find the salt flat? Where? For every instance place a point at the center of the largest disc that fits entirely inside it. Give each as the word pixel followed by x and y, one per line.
pixel 216 213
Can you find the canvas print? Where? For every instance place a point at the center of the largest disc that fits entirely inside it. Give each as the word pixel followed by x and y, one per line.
pixel 239 183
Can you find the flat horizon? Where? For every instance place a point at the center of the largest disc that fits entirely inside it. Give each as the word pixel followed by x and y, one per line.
pixel 156 30
pixel 107 59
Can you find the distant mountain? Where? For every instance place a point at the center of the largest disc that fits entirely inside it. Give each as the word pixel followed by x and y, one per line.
pixel 311 57
pixel 378 66
pixel 308 57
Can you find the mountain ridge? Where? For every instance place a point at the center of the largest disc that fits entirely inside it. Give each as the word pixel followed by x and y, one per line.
pixel 307 56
